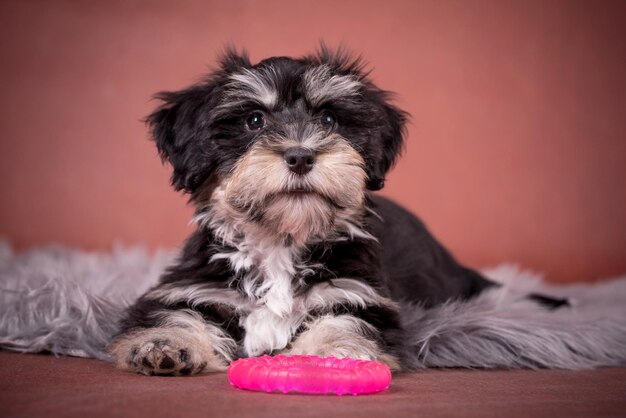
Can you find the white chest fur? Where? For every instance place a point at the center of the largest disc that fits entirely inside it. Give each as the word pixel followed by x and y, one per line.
pixel 273 322
pixel 275 315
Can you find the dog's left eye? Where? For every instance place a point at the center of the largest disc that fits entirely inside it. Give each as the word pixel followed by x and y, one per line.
pixel 328 119
pixel 255 121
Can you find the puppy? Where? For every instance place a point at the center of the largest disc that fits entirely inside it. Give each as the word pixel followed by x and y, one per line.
pixel 292 254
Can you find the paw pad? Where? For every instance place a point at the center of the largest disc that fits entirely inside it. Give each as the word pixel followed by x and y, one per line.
pixel 161 357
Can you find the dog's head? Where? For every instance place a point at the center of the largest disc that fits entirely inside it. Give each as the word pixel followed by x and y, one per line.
pixel 290 144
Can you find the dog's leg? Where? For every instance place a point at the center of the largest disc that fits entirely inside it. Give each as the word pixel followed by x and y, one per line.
pixel 341 336
pixel 181 343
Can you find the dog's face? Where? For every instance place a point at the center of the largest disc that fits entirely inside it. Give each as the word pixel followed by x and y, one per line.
pixel 288 144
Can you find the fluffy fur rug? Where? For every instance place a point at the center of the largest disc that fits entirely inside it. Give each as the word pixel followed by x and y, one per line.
pixel 68 302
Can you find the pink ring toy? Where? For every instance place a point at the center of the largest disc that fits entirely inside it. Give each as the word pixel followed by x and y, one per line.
pixel 309 374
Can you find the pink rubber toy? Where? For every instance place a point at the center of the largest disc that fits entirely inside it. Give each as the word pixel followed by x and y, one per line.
pixel 309 374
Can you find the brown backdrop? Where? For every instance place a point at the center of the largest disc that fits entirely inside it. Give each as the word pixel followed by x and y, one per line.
pixel 517 147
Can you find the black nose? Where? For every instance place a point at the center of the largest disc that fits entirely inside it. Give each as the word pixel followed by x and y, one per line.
pixel 299 160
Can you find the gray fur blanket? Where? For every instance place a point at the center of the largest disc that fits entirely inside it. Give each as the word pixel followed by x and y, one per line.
pixel 68 302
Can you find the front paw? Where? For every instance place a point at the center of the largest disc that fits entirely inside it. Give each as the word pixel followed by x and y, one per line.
pixel 161 357
pixel 165 352
pixel 341 336
pixel 353 346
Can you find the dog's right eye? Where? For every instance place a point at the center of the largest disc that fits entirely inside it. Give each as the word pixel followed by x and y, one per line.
pixel 255 121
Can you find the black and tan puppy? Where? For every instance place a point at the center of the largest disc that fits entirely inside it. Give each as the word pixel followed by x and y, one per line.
pixel 292 254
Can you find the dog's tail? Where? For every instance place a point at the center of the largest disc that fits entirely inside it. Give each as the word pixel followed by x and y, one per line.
pixel 503 328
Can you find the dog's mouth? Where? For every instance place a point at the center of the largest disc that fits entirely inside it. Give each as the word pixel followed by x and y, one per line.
pixel 305 193
pixel 299 191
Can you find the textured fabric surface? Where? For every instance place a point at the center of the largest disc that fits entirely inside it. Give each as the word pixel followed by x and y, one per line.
pixel 44 386
pixel 67 301
pixel 502 328
pixel 64 301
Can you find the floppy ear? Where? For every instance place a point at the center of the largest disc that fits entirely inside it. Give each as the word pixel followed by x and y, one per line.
pixel 391 142
pixel 175 130
pixel 180 130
